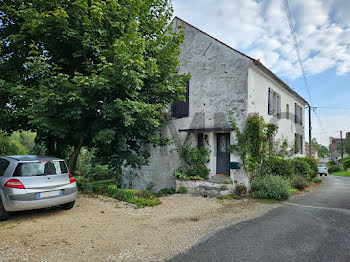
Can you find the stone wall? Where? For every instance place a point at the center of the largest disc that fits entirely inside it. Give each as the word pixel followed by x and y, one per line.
pixel 219 79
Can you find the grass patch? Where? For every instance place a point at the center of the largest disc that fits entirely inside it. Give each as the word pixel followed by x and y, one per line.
pixel 293 190
pixel 341 173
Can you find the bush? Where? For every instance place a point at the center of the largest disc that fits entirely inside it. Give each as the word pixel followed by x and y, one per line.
pixel 333 169
pixel 346 164
pixel 313 165
pixel 317 180
pixel 300 183
pixel 99 172
pixel 332 163
pixel 302 168
pixel 140 198
pixel 270 187
pixel 241 189
pixel 165 192
pixel 183 190
pixel 195 159
pixel 278 167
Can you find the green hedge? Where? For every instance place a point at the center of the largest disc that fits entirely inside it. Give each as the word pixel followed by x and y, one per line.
pixel 271 187
pixel 346 164
pixel 277 167
pixel 140 198
pixel 333 169
pixel 313 166
pixel 302 168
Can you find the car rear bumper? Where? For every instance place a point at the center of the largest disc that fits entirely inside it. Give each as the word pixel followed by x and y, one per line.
pixel 30 201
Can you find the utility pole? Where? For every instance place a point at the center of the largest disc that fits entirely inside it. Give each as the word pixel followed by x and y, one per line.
pixel 310 146
pixel 341 144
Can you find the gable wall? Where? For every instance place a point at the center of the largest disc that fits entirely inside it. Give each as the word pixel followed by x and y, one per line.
pixel 218 83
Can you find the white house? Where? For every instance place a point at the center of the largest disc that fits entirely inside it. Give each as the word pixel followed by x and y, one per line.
pixel 222 79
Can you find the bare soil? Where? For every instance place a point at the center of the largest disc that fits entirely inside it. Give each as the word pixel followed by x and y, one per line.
pixel 103 229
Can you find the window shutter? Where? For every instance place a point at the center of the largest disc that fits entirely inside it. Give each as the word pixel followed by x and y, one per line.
pixel 296 113
pixel 301 144
pixel 269 107
pixel 278 106
pixel 301 115
pixel 181 109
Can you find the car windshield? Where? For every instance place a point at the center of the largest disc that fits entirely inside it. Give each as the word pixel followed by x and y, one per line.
pixel 40 168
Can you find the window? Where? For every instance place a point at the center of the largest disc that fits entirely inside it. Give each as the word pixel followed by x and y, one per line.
pixel 200 140
pixel 40 168
pixel 274 103
pixel 181 109
pixel 3 166
pixel 298 143
pixel 287 111
pixel 298 114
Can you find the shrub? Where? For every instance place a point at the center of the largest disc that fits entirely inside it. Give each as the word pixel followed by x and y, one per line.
pixel 165 191
pixel 278 167
pixel 300 183
pixel 270 187
pixel 195 159
pixel 140 198
pixel 99 172
pixel 183 190
pixel 302 168
pixel 313 165
pixel 241 189
pixel 346 164
pixel 333 169
pixel 332 163
pixel 317 180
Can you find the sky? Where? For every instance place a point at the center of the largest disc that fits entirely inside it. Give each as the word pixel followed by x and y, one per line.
pixel 260 29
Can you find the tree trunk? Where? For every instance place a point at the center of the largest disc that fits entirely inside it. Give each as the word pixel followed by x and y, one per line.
pixel 74 156
pixel 50 146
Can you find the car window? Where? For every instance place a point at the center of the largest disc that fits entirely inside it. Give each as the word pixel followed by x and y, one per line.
pixel 36 169
pixel 63 167
pixel 3 166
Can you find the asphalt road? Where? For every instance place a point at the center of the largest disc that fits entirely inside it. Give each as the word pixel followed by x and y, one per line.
pixel 313 227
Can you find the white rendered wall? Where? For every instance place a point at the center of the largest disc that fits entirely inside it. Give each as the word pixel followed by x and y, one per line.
pixel 258 86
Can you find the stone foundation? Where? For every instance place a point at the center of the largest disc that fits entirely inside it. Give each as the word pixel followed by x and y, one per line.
pixel 205 188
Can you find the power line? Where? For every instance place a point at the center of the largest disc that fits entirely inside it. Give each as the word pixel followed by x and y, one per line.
pixel 290 22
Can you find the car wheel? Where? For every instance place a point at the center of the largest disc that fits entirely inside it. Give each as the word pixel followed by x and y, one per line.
pixel 320 174
pixel 325 174
pixel 3 214
pixel 68 205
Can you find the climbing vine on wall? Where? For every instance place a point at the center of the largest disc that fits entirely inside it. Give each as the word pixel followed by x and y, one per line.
pixel 253 142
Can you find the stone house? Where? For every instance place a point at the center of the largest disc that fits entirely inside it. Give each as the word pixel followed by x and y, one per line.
pixel 222 79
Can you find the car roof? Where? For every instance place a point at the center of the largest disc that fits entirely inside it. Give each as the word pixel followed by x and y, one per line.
pixel 31 158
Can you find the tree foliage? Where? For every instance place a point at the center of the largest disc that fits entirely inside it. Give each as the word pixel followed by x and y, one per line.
pixel 89 73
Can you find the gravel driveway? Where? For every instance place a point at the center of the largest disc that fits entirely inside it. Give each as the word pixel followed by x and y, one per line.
pixel 102 229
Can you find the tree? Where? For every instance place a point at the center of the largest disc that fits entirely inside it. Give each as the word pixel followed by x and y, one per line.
pixel 89 73
pixel 322 150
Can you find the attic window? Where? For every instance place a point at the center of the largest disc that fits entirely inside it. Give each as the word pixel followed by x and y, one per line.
pixel 181 109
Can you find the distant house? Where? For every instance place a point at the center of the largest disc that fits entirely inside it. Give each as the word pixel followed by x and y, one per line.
pixel 222 79
pixel 334 153
pixel 314 151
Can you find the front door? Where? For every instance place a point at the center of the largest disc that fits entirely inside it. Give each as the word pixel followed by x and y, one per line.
pixel 223 156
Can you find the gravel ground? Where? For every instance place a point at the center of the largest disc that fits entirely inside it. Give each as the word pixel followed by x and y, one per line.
pixel 102 229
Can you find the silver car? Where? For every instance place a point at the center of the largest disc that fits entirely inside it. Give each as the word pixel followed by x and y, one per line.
pixel 322 170
pixel 32 182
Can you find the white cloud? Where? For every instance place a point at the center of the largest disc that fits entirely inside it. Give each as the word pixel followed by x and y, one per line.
pixel 261 30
